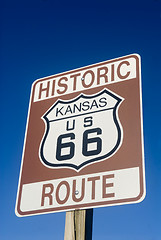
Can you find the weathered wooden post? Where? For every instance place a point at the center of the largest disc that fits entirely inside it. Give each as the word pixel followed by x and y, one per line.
pixel 78 225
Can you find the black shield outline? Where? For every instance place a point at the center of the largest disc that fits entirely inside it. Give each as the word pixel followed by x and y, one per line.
pixel 90 161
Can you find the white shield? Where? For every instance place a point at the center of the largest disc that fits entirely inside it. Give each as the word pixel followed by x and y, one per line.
pixel 81 131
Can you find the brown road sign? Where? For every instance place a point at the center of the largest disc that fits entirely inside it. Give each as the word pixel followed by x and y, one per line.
pixel 83 146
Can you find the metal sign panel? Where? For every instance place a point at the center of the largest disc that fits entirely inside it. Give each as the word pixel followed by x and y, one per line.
pixel 84 140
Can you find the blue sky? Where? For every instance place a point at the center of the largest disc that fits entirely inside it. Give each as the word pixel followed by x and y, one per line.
pixel 44 37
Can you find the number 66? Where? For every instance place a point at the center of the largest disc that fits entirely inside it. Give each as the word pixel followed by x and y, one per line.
pixel 85 143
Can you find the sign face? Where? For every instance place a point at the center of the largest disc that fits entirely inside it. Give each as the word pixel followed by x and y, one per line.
pixel 84 140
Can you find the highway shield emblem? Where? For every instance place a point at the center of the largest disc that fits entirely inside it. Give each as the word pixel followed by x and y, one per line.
pixel 81 131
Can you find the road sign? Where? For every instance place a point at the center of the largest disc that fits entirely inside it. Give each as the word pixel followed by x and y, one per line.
pixel 83 146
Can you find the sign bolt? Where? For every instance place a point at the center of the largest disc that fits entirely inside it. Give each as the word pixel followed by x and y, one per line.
pixel 76 192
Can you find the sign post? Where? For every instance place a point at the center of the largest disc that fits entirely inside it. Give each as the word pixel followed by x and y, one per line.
pixel 83 145
pixel 78 225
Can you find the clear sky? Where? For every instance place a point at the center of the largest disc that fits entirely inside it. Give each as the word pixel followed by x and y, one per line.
pixel 44 37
